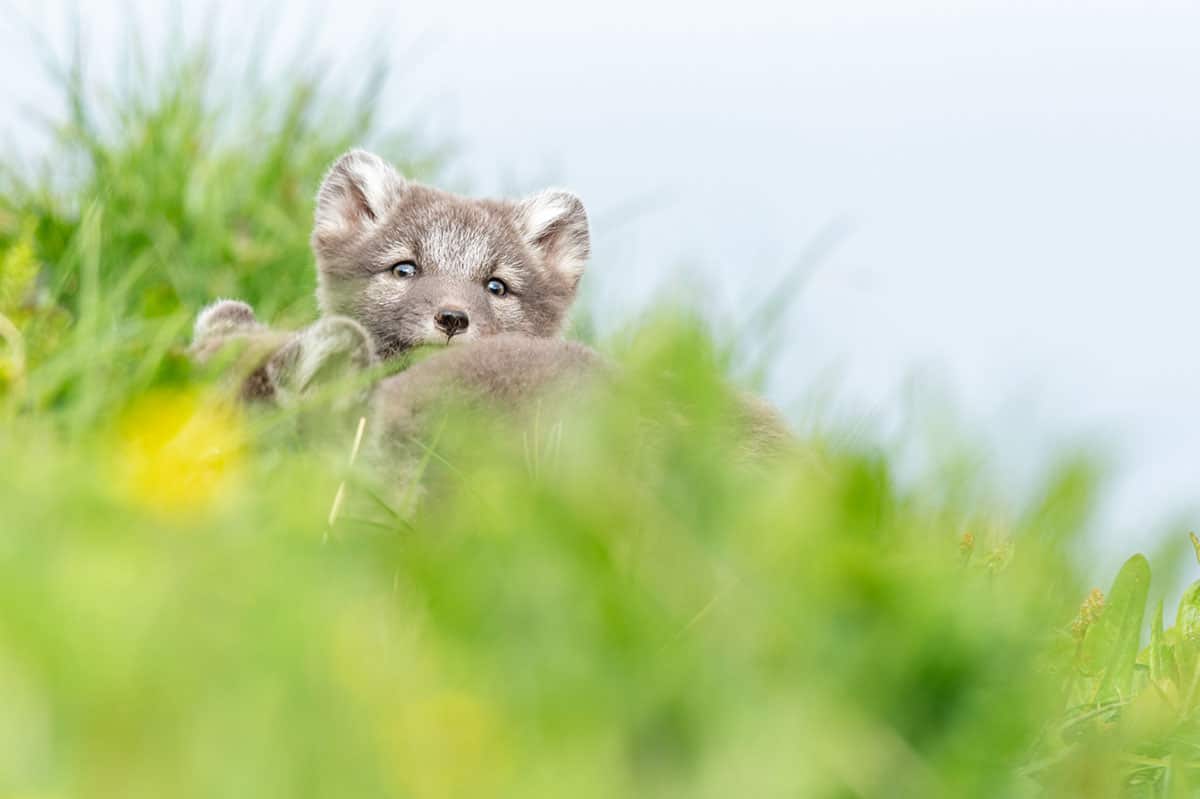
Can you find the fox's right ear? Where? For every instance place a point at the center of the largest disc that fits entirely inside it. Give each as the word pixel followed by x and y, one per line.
pixel 359 189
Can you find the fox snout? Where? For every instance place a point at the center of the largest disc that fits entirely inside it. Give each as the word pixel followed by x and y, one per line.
pixel 451 321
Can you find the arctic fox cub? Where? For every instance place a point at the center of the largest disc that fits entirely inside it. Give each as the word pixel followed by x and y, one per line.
pixel 401 264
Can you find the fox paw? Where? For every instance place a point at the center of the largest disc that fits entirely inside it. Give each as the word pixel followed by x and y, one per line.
pixel 328 351
pixel 222 318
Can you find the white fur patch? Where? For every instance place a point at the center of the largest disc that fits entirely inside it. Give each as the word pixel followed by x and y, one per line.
pixel 457 250
pixel 359 190
pixel 555 223
pixel 223 317
pixel 543 211
pixel 329 349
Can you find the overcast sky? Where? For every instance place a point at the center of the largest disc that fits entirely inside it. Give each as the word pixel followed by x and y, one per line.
pixel 1016 186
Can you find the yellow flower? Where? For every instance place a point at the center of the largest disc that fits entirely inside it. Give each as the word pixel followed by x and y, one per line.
pixel 178 451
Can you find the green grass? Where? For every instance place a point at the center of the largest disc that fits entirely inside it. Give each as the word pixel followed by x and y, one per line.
pixel 612 603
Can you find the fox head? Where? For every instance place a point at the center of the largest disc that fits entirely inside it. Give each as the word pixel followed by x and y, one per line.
pixel 416 265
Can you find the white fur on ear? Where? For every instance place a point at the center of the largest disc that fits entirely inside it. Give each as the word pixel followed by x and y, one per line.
pixel 358 190
pixel 555 223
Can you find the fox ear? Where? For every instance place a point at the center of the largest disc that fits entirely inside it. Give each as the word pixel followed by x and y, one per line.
pixel 358 191
pixel 554 223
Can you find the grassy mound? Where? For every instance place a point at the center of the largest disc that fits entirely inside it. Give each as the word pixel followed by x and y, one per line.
pixel 610 603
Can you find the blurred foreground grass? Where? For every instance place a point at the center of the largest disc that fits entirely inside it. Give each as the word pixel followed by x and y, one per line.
pixel 582 611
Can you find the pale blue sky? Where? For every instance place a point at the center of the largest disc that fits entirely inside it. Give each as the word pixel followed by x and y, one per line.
pixel 1021 183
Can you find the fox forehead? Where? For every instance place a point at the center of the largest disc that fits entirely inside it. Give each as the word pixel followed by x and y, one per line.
pixel 452 235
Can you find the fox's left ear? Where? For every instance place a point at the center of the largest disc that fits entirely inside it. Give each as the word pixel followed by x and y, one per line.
pixel 555 224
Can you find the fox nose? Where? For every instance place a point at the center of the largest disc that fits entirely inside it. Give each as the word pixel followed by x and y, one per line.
pixel 451 321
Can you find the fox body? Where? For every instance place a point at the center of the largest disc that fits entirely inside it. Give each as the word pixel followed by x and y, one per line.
pixel 400 265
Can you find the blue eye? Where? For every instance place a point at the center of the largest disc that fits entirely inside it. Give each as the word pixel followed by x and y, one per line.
pixel 404 269
pixel 497 287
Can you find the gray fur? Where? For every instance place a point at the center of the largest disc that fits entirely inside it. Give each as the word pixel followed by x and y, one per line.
pixel 508 377
pixel 501 373
pixel 227 323
pixel 280 367
pixel 510 372
pixel 332 349
pixel 222 318
pixel 369 218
